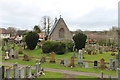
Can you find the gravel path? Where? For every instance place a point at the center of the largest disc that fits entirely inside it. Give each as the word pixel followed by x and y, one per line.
pixel 64 71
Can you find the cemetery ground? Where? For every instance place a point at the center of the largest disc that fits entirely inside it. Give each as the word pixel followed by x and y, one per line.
pixel 37 54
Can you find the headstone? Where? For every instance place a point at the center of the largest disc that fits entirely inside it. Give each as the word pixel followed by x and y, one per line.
pixel 43 59
pixel 62 62
pixel 116 64
pixel 86 65
pixel 38 67
pixel 15 65
pixel 52 59
pixel 95 64
pixel 80 57
pixel 102 64
pixel 89 52
pixel 16 54
pixel 72 62
pixel 16 72
pixel 8 73
pixel 26 58
pixel 21 72
pixel 28 72
pixel 74 55
pixel 111 63
pixel 66 62
pixel 7 56
pixel 12 53
pixel 118 73
pixel 2 72
pixel 100 51
pixel 20 50
pixel 8 48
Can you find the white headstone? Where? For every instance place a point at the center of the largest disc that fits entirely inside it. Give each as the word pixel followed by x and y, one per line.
pixel 66 62
pixel 80 57
pixel 7 57
pixel 21 72
pixel 86 65
pixel 111 63
pixel 8 73
pixel 28 72
pixel 16 72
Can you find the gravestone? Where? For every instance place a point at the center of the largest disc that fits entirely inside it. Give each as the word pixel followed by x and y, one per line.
pixel 16 72
pixel 52 59
pixel 3 49
pixel 72 62
pixel 21 72
pixel 118 73
pixel 74 55
pixel 2 72
pixel 100 52
pixel 89 52
pixel 116 64
pixel 7 56
pixel 28 72
pixel 102 63
pixel 117 61
pixel 15 54
pixel 80 57
pixel 8 73
pixel 86 65
pixel 38 67
pixel 15 65
pixel 111 63
pixel 95 64
pixel 12 53
pixel 62 62
pixel 43 59
pixel 66 62
pixel 20 50
pixel 26 58
pixel 8 48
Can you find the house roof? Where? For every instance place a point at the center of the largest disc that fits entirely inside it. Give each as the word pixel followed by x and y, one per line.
pixel 3 31
pixel 20 32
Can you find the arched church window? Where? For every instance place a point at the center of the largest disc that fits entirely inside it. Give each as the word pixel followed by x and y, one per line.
pixel 61 33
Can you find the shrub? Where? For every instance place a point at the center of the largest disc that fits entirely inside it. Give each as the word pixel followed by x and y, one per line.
pixel 31 40
pixel 54 46
pixel 69 46
pixel 79 40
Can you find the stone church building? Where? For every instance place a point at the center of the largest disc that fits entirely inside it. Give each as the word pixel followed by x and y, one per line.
pixel 60 31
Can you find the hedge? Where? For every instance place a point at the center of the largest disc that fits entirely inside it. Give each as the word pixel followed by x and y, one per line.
pixel 59 47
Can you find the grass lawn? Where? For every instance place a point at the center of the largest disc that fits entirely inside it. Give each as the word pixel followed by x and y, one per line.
pixel 38 53
pixel 58 66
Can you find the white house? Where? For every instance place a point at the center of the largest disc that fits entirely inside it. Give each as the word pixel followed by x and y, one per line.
pixel 4 33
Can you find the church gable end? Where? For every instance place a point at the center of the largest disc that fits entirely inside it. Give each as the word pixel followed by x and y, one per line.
pixel 60 31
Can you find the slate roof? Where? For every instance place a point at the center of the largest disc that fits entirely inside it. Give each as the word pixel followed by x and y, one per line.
pixel 55 25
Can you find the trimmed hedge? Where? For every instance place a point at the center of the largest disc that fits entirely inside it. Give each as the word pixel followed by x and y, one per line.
pixel 58 47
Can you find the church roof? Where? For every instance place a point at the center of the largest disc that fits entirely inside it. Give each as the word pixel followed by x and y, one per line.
pixel 55 25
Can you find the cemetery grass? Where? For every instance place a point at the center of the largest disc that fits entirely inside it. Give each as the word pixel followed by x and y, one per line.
pixel 38 53
pixel 58 66
pixel 49 74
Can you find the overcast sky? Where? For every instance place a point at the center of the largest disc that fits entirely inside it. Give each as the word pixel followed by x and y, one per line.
pixel 78 14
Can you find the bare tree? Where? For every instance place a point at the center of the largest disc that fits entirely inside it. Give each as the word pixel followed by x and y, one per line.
pixel 47 23
pixel 12 31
